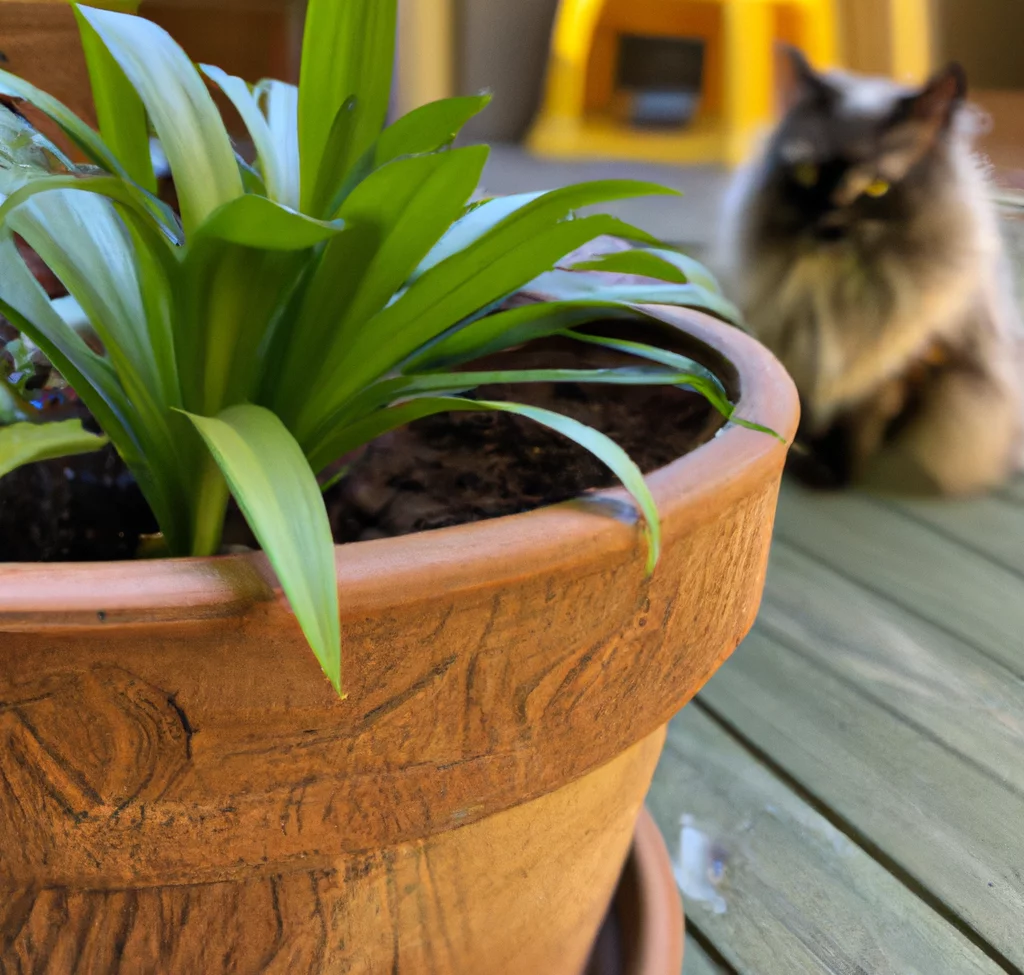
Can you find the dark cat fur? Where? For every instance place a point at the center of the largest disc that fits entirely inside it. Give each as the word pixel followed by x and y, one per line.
pixel 864 250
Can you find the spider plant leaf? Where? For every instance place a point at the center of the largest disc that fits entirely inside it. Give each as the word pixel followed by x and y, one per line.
pixel 325 198
pixel 702 380
pixel 347 52
pixel 158 472
pixel 505 329
pixel 280 103
pixel 259 223
pixel 573 285
pixel 425 129
pixel 602 447
pixel 641 262
pixel 114 188
pixel 693 271
pixel 267 153
pixel 180 107
pixel 280 498
pixel 387 391
pixel 81 134
pixel 26 443
pixel 395 215
pixel 517 218
pixel 497 266
pixel 80 237
pixel 119 110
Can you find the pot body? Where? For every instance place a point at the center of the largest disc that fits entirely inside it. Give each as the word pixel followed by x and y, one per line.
pixel 181 790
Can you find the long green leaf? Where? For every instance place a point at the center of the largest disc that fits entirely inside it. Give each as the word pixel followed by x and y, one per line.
pixel 114 188
pixel 388 391
pixel 702 379
pixel 280 102
pixel 247 106
pixel 181 108
pixel 517 218
pixel 605 449
pixel 347 51
pixel 397 213
pixel 119 110
pixel 498 265
pixel 424 129
pixel 642 262
pixel 26 443
pixel 86 138
pixel 505 329
pixel 24 303
pixel 427 128
pixel 281 500
pixel 332 173
pixel 255 221
pixel 574 285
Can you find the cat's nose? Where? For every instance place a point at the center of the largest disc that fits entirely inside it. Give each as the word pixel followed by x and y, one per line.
pixel 831 232
pixel 830 227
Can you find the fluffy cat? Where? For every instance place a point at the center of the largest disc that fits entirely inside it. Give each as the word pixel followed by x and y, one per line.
pixel 865 253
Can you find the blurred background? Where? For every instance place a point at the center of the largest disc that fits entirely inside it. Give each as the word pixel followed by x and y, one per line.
pixel 674 90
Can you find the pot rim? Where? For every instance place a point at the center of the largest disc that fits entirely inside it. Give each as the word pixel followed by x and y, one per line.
pixel 385 572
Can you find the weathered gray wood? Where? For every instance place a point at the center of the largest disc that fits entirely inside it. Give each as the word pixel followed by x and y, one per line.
pixel 908 563
pixel 1014 492
pixel 993 526
pixel 800 898
pixel 697 962
pixel 969 701
pixel 943 821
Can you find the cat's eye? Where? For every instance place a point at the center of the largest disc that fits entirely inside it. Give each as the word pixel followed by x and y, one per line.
pixel 806 174
pixel 877 188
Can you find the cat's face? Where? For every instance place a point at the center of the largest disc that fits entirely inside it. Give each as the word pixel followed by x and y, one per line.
pixel 852 157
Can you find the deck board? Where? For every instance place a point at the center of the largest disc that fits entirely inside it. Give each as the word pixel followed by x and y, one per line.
pixel 696 960
pixel 880 697
pixel 942 821
pixel 954 587
pixel 969 702
pixel 800 898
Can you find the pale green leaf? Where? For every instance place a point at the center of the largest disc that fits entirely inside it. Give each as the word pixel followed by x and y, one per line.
pixel 247 106
pixel 280 498
pixel 86 138
pixel 26 443
pixel 574 285
pixel 180 107
pixel 119 110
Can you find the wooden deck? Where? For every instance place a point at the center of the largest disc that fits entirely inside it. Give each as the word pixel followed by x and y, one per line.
pixel 851 783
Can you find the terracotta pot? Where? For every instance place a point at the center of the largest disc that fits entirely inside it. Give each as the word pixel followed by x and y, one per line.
pixel 643 932
pixel 181 791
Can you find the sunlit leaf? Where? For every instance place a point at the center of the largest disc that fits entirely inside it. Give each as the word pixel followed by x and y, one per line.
pixel 280 498
pixel 180 107
pixel 26 443
pixel 347 52
pixel 119 110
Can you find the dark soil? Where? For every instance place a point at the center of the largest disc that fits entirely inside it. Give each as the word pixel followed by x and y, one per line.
pixel 440 471
pixel 451 469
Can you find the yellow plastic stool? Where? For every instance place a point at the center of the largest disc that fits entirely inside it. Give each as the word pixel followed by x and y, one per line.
pixel 738 91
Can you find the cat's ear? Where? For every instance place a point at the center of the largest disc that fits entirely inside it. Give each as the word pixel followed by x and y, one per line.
pixel 922 118
pixel 940 97
pixel 796 80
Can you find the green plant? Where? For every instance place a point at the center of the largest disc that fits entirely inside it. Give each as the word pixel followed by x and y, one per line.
pixel 308 303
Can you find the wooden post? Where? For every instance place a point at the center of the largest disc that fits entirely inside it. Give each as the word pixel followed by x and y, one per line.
pixel 426 65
